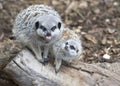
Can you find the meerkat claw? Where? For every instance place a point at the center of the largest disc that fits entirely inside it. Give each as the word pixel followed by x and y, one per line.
pixel 44 61
pixel 56 71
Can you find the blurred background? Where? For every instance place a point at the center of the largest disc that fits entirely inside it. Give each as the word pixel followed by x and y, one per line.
pixel 97 22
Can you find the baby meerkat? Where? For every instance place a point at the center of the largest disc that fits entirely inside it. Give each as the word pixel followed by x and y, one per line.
pixel 67 48
pixel 38 27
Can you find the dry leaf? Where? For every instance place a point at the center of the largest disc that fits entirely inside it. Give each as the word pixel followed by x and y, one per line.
pixel 73 5
pixel 111 30
pixel 78 30
pixel 83 4
pixel 91 38
pixel 104 41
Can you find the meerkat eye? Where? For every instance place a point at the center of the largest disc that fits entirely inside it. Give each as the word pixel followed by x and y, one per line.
pixel 72 47
pixel 77 51
pixel 43 28
pixel 59 25
pixel 53 28
pixel 37 24
pixel 66 43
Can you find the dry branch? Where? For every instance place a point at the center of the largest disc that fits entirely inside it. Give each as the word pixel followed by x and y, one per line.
pixel 25 70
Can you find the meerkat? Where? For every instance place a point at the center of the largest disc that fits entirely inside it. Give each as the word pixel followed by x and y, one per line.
pixel 67 48
pixel 38 27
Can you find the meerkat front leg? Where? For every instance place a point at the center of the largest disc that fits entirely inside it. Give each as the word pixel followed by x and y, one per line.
pixel 45 55
pixel 57 63
pixel 37 51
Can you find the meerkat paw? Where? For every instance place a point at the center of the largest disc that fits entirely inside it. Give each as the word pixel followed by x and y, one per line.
pixel 44 61
pixel 69 62
pixel 57 70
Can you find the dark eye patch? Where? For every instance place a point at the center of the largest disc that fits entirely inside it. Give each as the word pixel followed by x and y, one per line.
pixel 43 28
pixel 72 47
pixel 66 43
pixel 53 28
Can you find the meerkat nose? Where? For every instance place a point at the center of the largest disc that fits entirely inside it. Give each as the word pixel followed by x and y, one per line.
pixel 48 34
pixel 66 47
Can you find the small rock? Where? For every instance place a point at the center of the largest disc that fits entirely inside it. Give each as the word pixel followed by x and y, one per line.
pixel 83 4
pixel 111 30
pixel 107 20
pixel 106 56
pixel 94 18
pixel 110 42
pixel 115 3
pixel 97 11
pixel 83 33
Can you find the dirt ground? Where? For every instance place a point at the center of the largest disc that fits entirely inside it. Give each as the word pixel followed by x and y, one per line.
pixel 96 21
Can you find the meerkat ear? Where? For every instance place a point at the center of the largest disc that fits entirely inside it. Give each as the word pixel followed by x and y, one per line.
pixel 59 25
pixel 36 24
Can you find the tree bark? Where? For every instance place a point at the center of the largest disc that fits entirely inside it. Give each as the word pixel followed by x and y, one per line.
pixel 25 70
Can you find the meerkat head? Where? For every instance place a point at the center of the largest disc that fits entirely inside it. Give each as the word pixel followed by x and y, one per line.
pixel 48 27
pixel 72 48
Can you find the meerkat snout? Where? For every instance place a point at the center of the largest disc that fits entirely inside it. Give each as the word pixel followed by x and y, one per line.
pixel 48 27
pixel 48 36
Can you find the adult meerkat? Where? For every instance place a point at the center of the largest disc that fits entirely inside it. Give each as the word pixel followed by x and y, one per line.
pixel 37 27
pixel 67 48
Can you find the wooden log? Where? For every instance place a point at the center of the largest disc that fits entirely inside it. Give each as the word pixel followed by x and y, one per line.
pixel 25 70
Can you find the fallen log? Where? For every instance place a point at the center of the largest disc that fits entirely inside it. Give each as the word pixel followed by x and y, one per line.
pixel 25 70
